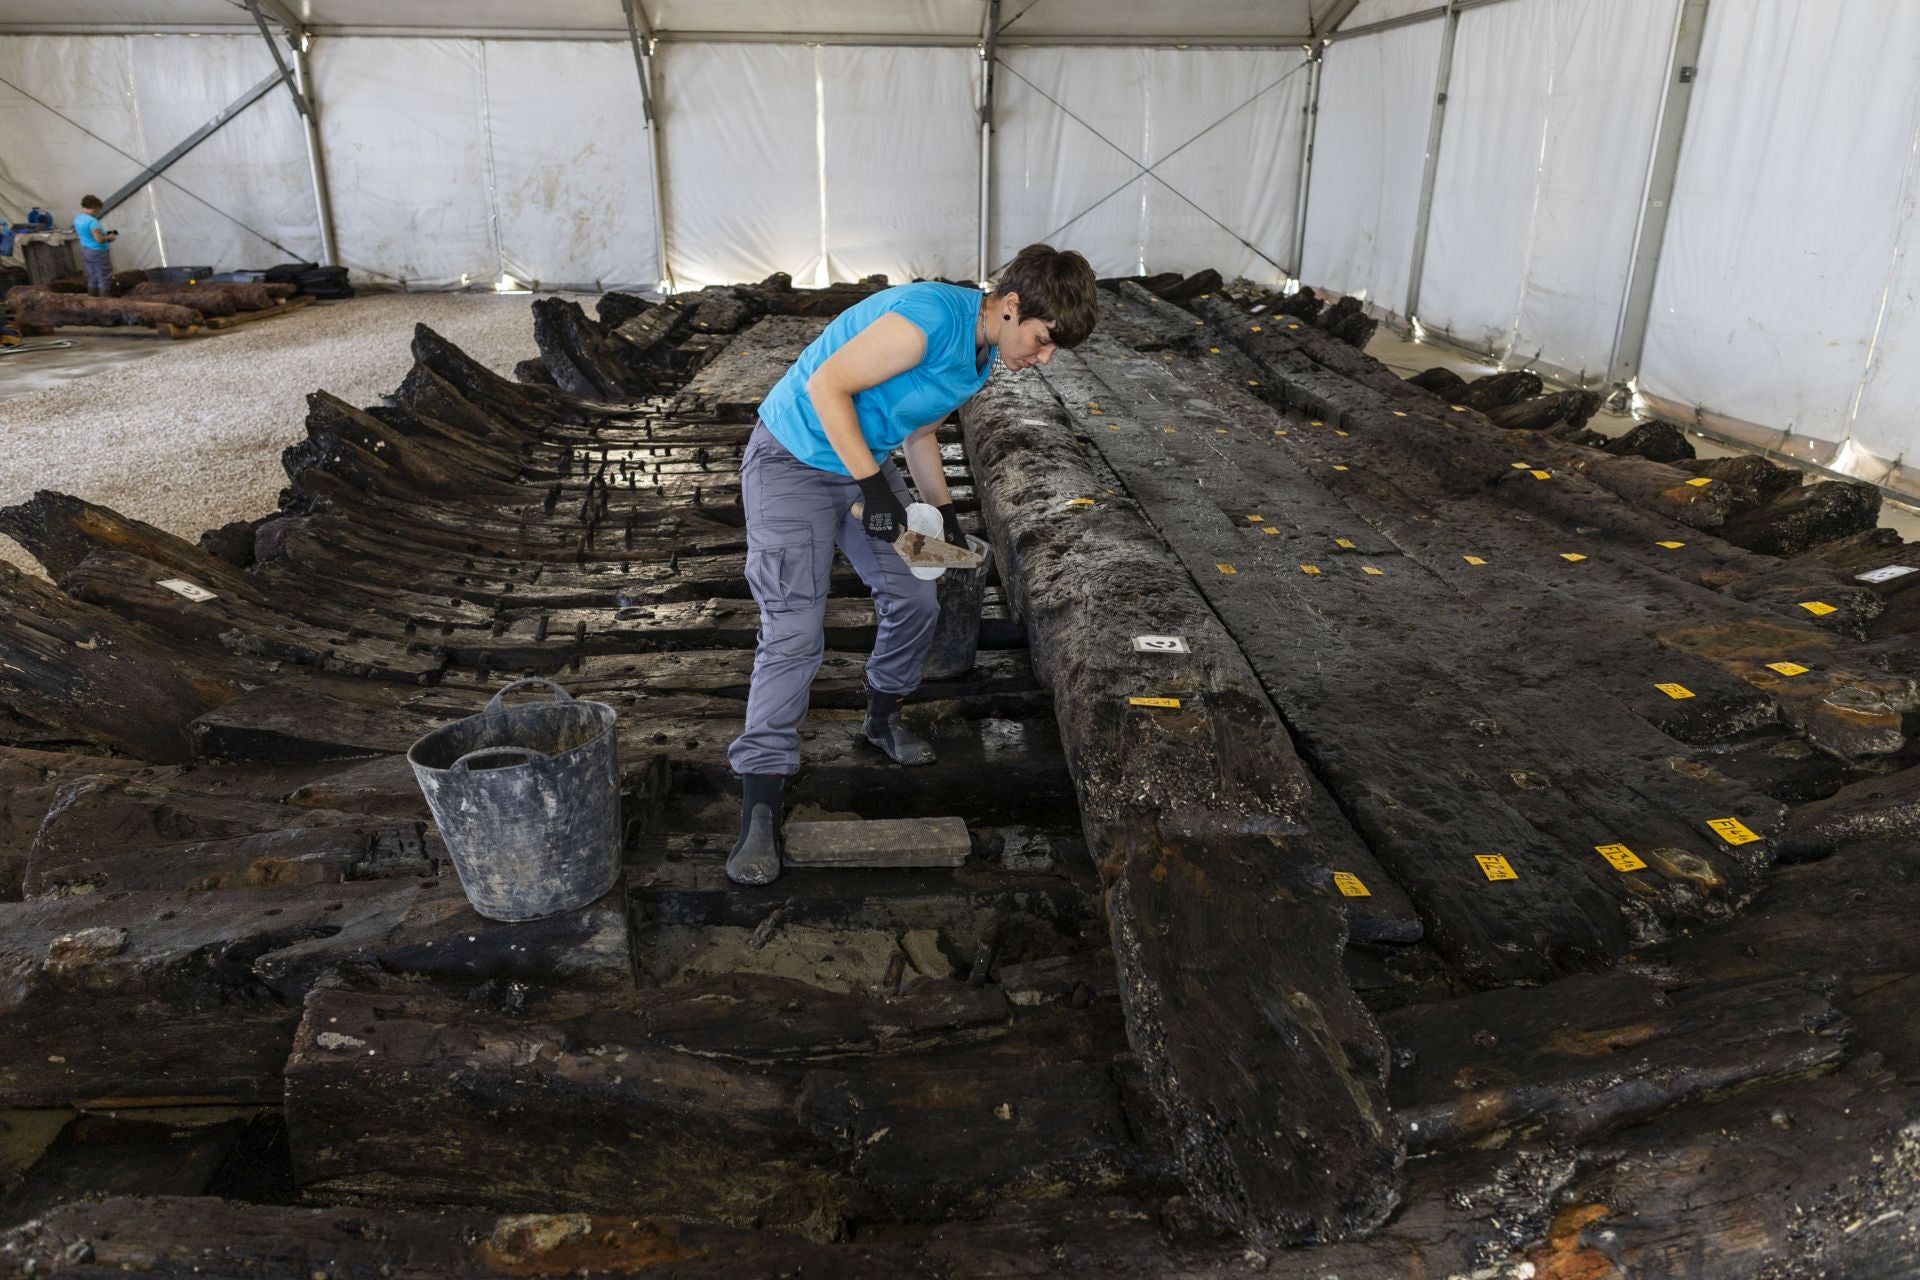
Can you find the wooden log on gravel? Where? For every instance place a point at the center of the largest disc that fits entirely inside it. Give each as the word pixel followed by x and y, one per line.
pixel 43 309
pixel 1182 804
pixel 150 997
pixel 1805 517
pixel 1594 1052
pixel 1187 288
pixel 1765 479
pixel 1443 383
pixel 1543 413
pixel 1347 321
pixel 211 301
pixel 1654 441
pixel 1498 390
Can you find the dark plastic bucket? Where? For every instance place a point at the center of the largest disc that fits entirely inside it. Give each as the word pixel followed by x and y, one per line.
pixel 528 801
pixel 956 636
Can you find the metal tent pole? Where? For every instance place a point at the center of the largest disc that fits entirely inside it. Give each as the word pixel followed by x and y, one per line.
pixel 1630 334
pixel 641 36
pixel 1435 123
pixel 989 55
pixel 1309 131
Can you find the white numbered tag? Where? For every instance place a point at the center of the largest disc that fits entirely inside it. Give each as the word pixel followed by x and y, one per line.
pixel 180 586
pixel 1888 574
pixel 1160 644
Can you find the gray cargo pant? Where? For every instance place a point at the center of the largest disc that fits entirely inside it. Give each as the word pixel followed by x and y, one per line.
pixel 99 264
pixel 796 515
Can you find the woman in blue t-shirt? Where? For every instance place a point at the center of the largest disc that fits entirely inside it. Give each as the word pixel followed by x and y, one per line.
pixel 882 376
pixel 94 247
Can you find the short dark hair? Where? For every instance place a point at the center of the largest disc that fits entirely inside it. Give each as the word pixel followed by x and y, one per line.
pixel 1057 285
pixel 90 202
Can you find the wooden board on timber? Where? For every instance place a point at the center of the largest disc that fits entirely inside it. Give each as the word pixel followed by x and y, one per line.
pixel 743 375
pixel 152 996
pixel 584 1105
pixel 681 880
pixel 1184 795
pixel 1112 1237
pixel 1593 1052
pixel 105 834
pixel 1340 662
pixel 220 324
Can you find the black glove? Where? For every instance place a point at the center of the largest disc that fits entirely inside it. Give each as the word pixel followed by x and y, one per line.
pixel 883 517
pixel 950 522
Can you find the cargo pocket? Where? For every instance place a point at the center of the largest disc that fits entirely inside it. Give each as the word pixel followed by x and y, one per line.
pixel 780 565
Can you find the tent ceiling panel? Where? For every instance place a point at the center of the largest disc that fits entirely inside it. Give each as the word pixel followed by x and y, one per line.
pixel 1368 12
pixel 934 18
pixel 1199 21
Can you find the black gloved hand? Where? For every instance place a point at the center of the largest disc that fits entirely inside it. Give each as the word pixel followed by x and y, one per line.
pixel 950 525
pixel 882 517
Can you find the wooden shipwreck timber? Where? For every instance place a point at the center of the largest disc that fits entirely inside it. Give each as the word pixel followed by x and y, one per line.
pixel 1410 836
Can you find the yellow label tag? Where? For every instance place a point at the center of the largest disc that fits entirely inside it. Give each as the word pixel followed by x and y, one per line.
pixel 1787 668
pixel 1270 529
pixel 1818 608
pixel 1671 546
pixel 1153 702
pixel 1572 557
pixel 1226 568
pixel 1350 885
pixel 1079 502
pixel 1495 867
pixel 1372 572
pixel 1732 830
pixel 1315 422
pixel 1701 482
pixel 1675 691
pixel 1398 413
pixel 1093 406
pixel 1255 329
pixel 1458 408
pixel 1339 432
pixel 1344 542
pixel 1338 467
pixel 1168 430
pixel 1521 466
pixel 1279 432
pixel 1213 351
pixel 1253 382
pixel 1293 326
pixel 1219 431
pixel 1542 475
pixel 1311 570
pixel 1256 519
pixel 1621 857
pixel 1473 559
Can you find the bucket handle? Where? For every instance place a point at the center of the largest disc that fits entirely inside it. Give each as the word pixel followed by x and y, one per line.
pixel 495 705
pixel 464 763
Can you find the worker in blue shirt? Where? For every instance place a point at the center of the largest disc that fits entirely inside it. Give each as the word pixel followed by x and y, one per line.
pixel 882 376
pixel 93 247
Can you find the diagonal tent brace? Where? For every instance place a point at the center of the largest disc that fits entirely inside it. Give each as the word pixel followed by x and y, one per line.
pixel 286 73
pixel 191 141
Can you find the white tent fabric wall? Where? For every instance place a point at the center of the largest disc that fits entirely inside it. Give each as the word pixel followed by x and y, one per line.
pixel 50 161
pixel 571 169
pixel 251 174
pixel 402 122
pixel 1363 204
pixel 740 125
pixel 1783 311
pixel 903 186
pixel 1221 130
pixel 1550 117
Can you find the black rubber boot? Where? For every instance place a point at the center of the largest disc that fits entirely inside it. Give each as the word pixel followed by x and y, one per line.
pixel 756 856
pixel 885 730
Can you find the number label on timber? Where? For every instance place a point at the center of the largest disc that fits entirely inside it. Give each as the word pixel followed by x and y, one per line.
pixel 1701 482
pixel 192 591
pixel 1886 574
pixel 1819 608
pixel 1732 830
pixel 1541 475
pixel 1154 702
pixel 1671 546
pixel 1269 529
pixel 1372 572
pixel 1345 544
pixel 1787 668
pixel 1619 857
pixel 1675 691
pixel 1475 560
pixel 1257 519
pixel 1311 570
pixel 1351 885
pixel 1160 644
pixel 1337 467
pixel 1226 568
pixel 1572 557
pixel 1495 867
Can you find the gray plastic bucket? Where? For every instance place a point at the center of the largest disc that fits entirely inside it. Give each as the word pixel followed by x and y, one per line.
pixel 956 636
pixel 528 801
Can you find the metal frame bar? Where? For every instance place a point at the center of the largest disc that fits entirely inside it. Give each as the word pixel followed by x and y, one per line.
pixel 1310 132
pixel 1436 123
pixel 641 36
pixel 989 55
pixel 286 75
pixel 1336 14
pixel 316 155
pixel 192 140
pixel 609 34
pixel 1630 333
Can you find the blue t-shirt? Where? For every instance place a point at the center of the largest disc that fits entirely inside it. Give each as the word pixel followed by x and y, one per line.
pixel 87 227
pixel 943 380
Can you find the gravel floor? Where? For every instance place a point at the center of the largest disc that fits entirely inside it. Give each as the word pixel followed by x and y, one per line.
pixel 190 438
